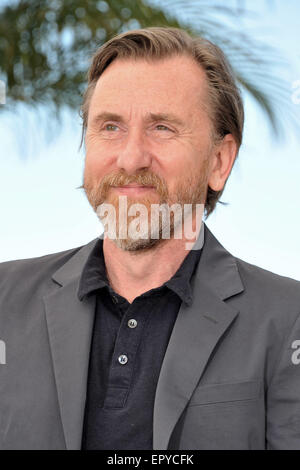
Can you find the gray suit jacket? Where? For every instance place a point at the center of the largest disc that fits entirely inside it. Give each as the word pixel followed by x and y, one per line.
pixel 230 378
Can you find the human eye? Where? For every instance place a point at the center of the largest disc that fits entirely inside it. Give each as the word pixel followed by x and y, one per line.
pixel 160 131
pixel 110 127
pixel 164 127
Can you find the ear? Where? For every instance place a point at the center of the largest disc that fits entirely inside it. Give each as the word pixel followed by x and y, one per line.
pixel 223 158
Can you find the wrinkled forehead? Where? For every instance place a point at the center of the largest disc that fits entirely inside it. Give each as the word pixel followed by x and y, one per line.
pixel 177 84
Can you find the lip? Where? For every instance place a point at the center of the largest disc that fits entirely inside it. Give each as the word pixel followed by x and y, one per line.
pixel 133 188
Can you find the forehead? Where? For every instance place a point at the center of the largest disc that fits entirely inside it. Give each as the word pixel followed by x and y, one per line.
pixel 177 83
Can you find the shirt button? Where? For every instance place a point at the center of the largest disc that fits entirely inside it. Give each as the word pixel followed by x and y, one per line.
pixel 132 323
pixel 122 359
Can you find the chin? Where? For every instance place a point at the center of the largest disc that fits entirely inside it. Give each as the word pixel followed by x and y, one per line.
pixel 138 245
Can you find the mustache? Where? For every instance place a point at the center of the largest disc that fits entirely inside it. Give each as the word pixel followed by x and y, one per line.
pixel 143 178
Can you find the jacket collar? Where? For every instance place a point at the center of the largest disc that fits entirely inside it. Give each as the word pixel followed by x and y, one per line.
pixel 93 276
pixel 198 328
pixel 196 333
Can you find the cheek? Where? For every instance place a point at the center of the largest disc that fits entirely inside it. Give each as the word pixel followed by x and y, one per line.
pixel 185 172
pixel 94 168
pixel 181 164
pixel 98 159
pixel 93 161
pixel 101 153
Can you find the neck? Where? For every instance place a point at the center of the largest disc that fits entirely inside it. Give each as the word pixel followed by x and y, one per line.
pixel 132 273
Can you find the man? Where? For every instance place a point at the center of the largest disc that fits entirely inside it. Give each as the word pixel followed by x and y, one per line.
pixel 152 342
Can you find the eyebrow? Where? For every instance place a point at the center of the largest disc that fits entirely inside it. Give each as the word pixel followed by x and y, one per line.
pixel 150 117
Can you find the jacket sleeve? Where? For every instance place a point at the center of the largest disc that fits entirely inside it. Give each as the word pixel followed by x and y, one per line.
pixel 283 396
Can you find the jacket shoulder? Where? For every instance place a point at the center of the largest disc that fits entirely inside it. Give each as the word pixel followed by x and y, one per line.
pixel 270 293
pixel 50 258
pixel 255 275
pixel 32 271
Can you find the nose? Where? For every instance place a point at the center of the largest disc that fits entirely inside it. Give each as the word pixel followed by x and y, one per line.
pixel 134 156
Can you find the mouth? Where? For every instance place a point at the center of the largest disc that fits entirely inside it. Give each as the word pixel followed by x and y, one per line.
pixel 133 188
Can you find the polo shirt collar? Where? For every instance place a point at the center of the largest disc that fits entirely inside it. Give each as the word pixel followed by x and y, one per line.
pixel 94 277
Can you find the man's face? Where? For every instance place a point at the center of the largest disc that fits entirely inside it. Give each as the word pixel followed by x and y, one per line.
pixel 148 127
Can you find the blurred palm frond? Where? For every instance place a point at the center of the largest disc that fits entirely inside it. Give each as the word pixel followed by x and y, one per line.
pixel 46 46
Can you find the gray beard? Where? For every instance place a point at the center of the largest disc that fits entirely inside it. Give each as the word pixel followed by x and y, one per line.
pixel 159 229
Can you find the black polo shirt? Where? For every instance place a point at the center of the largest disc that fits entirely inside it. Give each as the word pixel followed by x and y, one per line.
pixel 129 342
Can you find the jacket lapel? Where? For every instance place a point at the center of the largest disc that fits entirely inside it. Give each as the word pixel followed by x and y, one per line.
pixel 195 335
pixel 197 330
pixel 70 324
